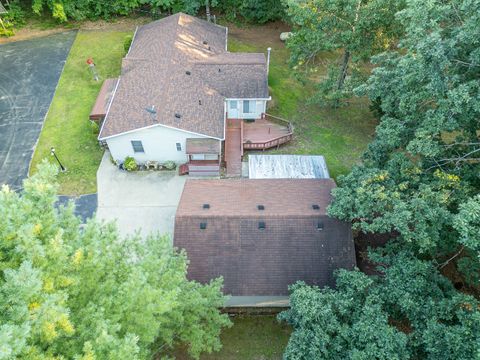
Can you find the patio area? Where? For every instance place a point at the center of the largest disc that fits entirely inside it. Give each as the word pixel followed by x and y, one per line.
pixel 144 201
pixel 261 134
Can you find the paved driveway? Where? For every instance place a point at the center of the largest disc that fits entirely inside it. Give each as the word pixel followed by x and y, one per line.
pixel 29 72
pixel 141 200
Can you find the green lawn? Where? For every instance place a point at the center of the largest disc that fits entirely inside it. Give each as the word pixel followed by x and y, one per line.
pixel 67 127
pixel 254 337
pixel 341 135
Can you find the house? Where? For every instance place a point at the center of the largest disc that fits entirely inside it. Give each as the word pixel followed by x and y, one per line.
pixel 183 96
pixel 261 235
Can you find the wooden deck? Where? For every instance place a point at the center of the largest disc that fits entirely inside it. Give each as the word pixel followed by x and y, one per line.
pixel 200 168
pixel 233 148
pixel 266 133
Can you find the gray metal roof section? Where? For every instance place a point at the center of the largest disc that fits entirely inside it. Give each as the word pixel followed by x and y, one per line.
pixel 287 167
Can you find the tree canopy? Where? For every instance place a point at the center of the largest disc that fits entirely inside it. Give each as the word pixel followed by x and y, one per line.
pixel 357 28
pixel 384 317
pixel 418 183
pixel 84 293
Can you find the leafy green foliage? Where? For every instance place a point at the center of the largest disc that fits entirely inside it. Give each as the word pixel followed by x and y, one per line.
pixel 255 11
pixel 424 161
pixel 13 18
pixel 358 28
pixel 85 293
pixel 130 164
pixel 410 311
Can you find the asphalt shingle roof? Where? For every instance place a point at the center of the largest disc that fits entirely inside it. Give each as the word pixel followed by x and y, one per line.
pixel 179 67
pixel 255 261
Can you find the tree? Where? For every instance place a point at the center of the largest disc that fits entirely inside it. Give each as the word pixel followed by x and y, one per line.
pixel 84 293
pixel 421 170
pixel 358 28
pixel 410 311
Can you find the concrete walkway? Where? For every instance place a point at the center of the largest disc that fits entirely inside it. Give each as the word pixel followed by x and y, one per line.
pixel 144 200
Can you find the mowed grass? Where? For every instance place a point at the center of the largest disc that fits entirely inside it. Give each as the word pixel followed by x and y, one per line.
pixel 67 127
pixel 252 337
pixel 340 134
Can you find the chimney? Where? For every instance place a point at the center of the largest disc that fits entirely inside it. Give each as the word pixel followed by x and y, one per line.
pixel 268 58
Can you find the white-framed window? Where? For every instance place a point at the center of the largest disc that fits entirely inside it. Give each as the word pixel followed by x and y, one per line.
pixel 248 106
pixel 137 146
pixel 179 146
pixel 233 104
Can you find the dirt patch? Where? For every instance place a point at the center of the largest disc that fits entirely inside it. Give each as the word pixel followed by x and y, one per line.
pixel 268 34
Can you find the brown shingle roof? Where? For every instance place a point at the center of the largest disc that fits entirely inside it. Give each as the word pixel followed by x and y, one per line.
pixel 254 261
pixel 104 97
pixel 202 146
pixel 154 73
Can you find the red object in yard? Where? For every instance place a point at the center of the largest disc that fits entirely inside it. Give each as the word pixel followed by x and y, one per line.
pixel 90 61
pixel 183 169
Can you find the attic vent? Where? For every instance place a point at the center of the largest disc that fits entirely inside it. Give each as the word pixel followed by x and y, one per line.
pixel 203 226
pixel 261 225
pixel 206 206
pixel 315 207
pixel 205 42
pixel 178 116
pixel 260 207
pixel 320 226
pixel 188 72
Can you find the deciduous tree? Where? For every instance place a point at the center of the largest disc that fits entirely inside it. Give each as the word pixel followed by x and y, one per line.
pixel 85 293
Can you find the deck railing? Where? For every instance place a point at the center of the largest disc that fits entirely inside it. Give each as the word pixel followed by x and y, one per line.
pixel 276 142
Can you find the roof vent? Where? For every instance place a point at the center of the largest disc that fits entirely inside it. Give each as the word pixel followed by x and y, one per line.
pixel 315 207
pixel 203 226
pixel 205 42
pixel 151 110
pixel 320 226
pixel 199 102
pixel 178 116
pixel 188 72
pixel 206 206
pixel 261 225
pixel 209 48
pixel 260 207
pixel 219 70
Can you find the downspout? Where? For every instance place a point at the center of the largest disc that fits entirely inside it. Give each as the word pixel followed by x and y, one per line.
pixel 268 58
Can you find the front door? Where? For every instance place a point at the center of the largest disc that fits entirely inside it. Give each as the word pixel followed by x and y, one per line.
pixel 232 109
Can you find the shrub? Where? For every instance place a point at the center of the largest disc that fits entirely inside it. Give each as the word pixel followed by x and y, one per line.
pixel 127 43
pixel 169 165
pixel 130 164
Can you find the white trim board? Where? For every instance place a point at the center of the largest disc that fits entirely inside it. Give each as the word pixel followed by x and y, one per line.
pixel 162 125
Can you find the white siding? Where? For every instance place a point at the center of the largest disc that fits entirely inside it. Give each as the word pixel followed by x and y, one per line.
pixel 158 142
pixel 257 108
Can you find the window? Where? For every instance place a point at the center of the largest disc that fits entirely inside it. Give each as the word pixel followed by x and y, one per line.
pixel 179 147
pixel 246 107
pixel 137 146
pixel 233 104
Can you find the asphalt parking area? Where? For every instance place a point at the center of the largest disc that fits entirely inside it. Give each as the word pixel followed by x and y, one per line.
pixel 144 201
pixel 29 73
